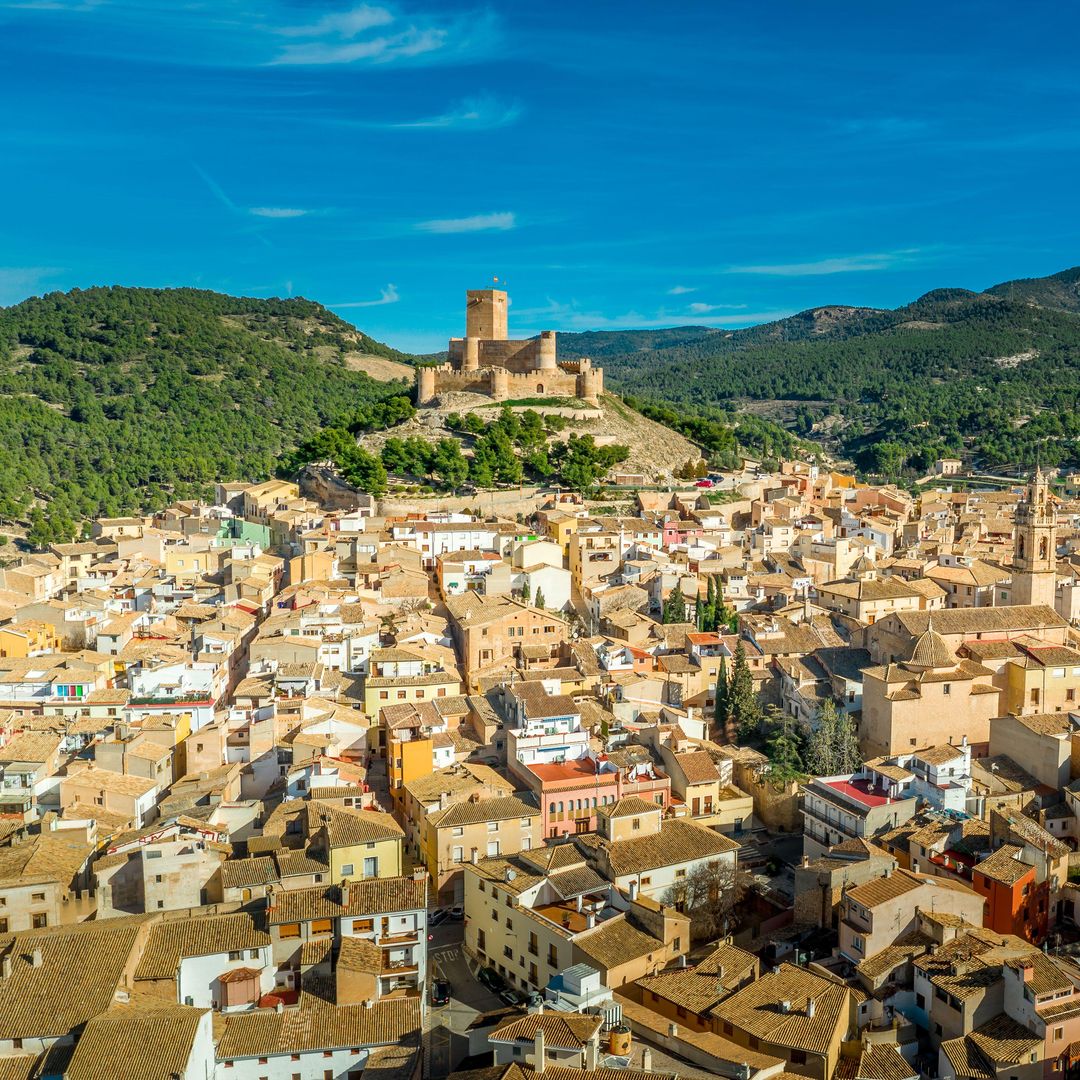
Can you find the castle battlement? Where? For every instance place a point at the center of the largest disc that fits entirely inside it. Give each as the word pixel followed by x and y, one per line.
pixel 487 361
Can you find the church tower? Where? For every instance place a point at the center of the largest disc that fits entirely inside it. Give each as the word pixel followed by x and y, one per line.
pixel 1035 542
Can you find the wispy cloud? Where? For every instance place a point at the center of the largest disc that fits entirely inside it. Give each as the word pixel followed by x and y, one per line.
pixel 680 290
pixel 497 222
pixel 705 309
pixel 481 113
pixel 273 213
pixel 844 264
pixel 389 295
pixel 277 212
pixel 378 34
pixel 570 316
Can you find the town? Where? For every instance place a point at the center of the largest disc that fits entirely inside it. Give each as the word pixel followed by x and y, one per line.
pixel 777 774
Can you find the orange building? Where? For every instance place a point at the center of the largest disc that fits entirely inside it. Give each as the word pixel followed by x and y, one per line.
pixel 1016 902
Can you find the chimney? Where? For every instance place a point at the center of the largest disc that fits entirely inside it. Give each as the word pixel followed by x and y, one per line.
pixel 475 856
pixel 633 890
pixel 590 921
pixel 368 1003
pixel 682 960
pixel 35 958
pixel 805 861
pixel 673 1031
pixel 6 969
pixel 579 902
pixel 646 1060
pixel 539 1055
pixel 810 1005
pixel 343 889
pixel 720 972
pixel 279 1006
pixel 592 1052
pixel 785 1006
pixel 444 799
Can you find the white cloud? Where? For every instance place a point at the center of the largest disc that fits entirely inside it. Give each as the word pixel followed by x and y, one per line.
pixel 497 222
pixel 846 264
pixel 389 295
pixel 560 315
pixel 410 42
pixel 343 24
pixel 478 113
pixel 680 290
pixel 705 309
pixel 277 212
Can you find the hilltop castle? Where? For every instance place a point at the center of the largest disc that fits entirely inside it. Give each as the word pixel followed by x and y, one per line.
pixel 487 361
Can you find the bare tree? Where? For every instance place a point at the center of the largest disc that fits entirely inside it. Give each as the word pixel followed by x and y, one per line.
pixel 709 894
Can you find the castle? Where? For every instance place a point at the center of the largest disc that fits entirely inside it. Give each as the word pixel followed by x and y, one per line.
pixel 486 361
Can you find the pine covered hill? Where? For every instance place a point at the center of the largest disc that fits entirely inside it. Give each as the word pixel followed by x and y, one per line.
pixel 117 400
pixel 993 377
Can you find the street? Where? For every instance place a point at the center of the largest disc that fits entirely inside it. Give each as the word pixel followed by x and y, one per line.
pixel 446 1028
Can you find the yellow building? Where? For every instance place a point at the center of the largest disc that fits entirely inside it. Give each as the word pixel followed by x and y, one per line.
pixel 453 835
pixel 407 760
pixel 28 639
pixel 359 843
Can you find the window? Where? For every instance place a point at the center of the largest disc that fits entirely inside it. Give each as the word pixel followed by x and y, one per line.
pixel 525 821
pixel 636 824
pixel 798 1057
pixel 457 854
pixel 553 956
pixel 946 689
pixel 493 826
pixel 680 873
pixel 236 954
pixel 371 867
pixel 322 926
pixel 459 831
pixel 38 897
pixel 347 870
pixel 40 920
pixel 289 930
pixel 3 926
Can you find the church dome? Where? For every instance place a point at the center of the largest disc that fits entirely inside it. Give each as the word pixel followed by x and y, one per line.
pixel 932 651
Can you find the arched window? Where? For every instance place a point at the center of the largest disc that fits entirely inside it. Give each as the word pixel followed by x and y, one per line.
pixel 551 809
pixel 539 387
pixel 1020 546
pixel 1044 547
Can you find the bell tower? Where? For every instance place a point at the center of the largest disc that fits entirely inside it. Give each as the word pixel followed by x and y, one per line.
pixel 1034 578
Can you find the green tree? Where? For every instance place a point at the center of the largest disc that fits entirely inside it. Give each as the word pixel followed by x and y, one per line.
pixel 674 610
pixel 744 707
pixel 538 600
pixel 723 700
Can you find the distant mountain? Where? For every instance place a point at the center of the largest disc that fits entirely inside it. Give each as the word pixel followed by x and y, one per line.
pixel 115 400
pixel 1061 290
pixel 992 376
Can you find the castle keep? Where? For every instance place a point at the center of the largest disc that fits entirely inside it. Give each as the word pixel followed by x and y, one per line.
pixel 487 361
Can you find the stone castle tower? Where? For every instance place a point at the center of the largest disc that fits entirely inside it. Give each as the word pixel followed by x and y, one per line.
pixel 488 361
pixel 1034 578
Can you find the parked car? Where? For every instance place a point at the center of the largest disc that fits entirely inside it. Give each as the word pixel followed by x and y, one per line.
pixel 512 996
pixel 704 484
pixel 439 915
pixel 457 911
pixel 492 980
pixel 440 993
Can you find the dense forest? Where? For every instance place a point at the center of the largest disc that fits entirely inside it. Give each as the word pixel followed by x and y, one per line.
pixel 116 400
pixel 992 376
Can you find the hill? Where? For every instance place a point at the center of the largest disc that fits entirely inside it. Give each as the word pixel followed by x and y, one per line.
pixel 991 376
pixel 115 400
pixel 1061 290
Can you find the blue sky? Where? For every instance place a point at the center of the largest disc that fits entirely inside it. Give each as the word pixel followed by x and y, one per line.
pixel 617 164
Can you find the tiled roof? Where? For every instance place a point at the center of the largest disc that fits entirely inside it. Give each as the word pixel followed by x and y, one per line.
pixel 375 896
pixel 562 1031
pixel 81 967
pixel 128 1043
pixel 318 1025
pixel 616 942
pixel 677 842
pixel 505 808
pixel 756 1009
pixel 1004 865
pixel 346 827
pixel 243 873
pixel 173 940
pixel 628 806
pixel 883 889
